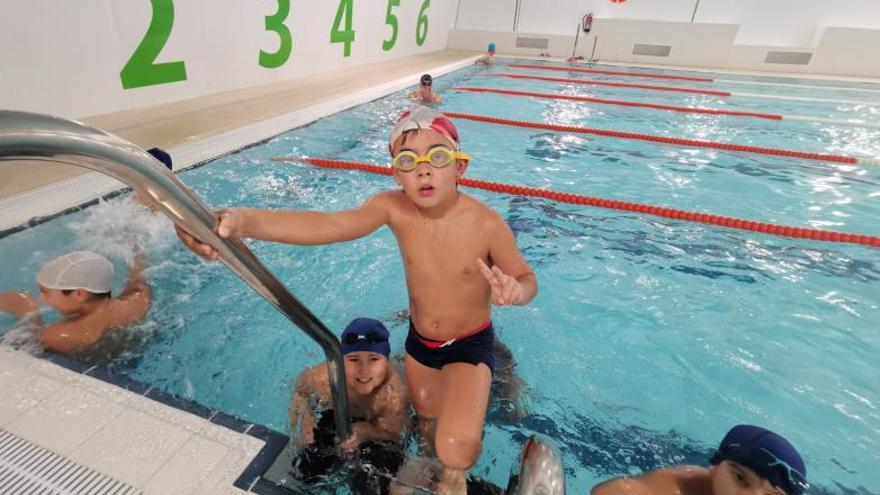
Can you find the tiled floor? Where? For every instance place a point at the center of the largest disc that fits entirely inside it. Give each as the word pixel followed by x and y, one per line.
pixel 135 440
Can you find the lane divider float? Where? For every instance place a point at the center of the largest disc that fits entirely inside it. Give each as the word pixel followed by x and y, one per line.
pixel 610 204
pixel 658 106
pixel 594 82
pixel 654 75
pixel 697 143
pixel 674 89
pixel 603 101
pixel 612 72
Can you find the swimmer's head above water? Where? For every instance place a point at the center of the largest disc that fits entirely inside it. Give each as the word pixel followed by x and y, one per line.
pixel 426 157
pixel 69 281
pixel 491 48
pixel 365 349
pixel 767 454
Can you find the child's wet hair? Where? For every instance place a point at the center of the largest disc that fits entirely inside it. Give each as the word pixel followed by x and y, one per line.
pixel 92 295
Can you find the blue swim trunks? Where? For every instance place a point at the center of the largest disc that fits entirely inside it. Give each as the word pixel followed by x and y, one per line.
pixel 473 348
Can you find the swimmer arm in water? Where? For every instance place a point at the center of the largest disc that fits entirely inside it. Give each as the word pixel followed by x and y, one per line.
pixel 21 304
pixel 302 413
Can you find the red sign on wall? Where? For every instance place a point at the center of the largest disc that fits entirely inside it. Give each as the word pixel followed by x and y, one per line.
pixel 617 1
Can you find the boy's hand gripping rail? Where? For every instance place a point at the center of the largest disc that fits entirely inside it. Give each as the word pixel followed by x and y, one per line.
pixel 31 136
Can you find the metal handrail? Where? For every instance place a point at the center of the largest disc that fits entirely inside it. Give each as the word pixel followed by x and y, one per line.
pixel 31 136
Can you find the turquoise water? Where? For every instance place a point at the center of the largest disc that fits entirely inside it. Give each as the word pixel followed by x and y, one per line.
pixel 649 338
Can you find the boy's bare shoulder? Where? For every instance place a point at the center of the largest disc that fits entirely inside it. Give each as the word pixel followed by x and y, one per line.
pixel 393 390
pixel 662 481
pixel 315 378
pixel 484 213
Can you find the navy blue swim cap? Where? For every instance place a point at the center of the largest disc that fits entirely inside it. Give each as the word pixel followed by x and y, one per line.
pixel 162 156
pixel 767 454
pixel 365 334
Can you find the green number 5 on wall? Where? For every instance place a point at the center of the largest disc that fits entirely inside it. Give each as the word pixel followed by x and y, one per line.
pixel 391 20
pixel 140 70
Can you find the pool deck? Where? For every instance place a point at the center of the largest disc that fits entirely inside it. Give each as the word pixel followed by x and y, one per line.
pixel 153 447
pixel 203 128
pixel 150 446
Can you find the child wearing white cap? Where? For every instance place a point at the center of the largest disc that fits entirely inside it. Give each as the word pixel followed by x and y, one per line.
pixel 78 286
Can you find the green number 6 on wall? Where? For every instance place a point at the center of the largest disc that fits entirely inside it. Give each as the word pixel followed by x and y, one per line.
pixel 422 26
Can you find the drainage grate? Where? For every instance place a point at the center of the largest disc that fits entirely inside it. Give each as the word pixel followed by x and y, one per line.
pixel 794 58
pixel 526 42
pixel 651 50
pixel 28 469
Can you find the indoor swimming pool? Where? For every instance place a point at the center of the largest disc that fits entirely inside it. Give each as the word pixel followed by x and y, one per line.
pixel 649 337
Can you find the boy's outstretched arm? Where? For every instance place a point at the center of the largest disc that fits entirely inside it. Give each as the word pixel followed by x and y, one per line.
pixel 510 277
pixel 296 227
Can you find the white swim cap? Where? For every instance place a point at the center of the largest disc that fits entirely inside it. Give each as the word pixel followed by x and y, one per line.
pixel 78 270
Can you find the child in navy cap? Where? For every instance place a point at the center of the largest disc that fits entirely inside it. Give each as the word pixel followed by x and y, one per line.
pixel 750 461
pixel 378 406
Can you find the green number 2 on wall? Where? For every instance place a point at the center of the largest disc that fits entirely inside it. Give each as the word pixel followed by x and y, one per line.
pixel 347 36
pixel 141 69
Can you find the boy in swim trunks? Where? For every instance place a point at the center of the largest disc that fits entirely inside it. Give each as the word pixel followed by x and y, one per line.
pixel 459 258
pixel 425 93
pixel 378 406
pixel 749 461
pixel 78 285
pixel 489 57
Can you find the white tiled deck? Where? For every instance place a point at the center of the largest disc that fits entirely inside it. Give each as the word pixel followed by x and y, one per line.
pixel 146 444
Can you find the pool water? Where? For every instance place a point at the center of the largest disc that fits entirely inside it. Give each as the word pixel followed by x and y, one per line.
pixel 649 338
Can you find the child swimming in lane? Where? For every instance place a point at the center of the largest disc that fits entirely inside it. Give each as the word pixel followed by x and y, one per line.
pixel 425 93
pixel 78 286
pixel 460 257
pixel 489 57
pixel 750 461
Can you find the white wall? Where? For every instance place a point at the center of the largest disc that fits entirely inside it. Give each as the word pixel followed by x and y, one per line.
pixel 65 58
pixel 789 22
pixel 489 15
pixel 761 22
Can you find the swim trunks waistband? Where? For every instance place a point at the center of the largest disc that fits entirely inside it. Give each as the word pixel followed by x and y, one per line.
pixel 436 344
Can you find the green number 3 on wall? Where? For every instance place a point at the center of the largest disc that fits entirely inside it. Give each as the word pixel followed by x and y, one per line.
pixel 275 23
pixel 141 69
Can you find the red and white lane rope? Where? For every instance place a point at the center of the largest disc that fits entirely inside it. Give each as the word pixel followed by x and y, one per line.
pixel 604 101
pixel 593 82
pixel 697 143
pixel 657 106
pixel 658 211
pixel 675 89
pixel 612 73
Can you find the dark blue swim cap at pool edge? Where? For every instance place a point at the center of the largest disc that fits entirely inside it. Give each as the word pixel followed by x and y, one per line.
pixel 766 453
pixel 365 334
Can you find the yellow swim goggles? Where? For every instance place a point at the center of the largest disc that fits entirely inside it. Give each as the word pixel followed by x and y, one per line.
pixel 437 157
